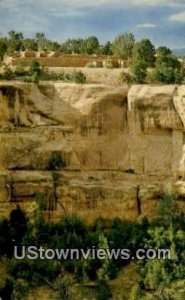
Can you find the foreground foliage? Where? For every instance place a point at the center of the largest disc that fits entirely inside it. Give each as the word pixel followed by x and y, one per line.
pixel 159 279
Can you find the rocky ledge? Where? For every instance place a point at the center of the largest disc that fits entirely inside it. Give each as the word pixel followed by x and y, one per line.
pixel 93 150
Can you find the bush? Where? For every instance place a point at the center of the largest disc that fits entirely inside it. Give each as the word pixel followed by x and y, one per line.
pixel 35 69
pixel 168 70
pixel 126 78
pixel 21 70
pixel 46 75
pixel 56 162
pixel 8 74
pixel 139 71
pixel 68 233
pixel 79 77
pixel 12 231
pixel 20 288
pixel 35 78
pixel 6 290
pixel 104 292
pixel 27 79
pixel 34 271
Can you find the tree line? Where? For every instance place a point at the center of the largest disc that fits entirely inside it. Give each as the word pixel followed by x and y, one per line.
pixel 15 41
pixel 123 46
pixel 147 64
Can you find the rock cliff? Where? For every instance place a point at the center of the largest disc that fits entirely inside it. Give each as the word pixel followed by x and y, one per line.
pixel 120 147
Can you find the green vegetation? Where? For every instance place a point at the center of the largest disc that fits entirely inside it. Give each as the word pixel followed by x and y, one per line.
pixel 56 162
pixel 146 64
pixel 34 72
pixel 123 45
pixel 8 74
pixel 144 51
pixel 14 41
pixel 3 48
pixel 158 279
pixel 150 66
pixel 139 71
pixel 79 77
pixel 89 45
pixel 126 78
pixel 167 69
pixel 165 278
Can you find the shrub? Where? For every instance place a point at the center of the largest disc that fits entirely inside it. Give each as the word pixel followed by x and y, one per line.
pixel 34 271
pixel 46 75
pixel 168 69
pixel 8 74
pixel 6 290
pixel 144 51
pixel 56 162
pixel 35 78
pixel 125 78
pixel 139 71
pixel 17 224
pixel 75 225
pixel 21 70
pixel 79 77
pixel 35 69
pixel 68 77
pixel 68 233
pixel 12 231
pixel 104 292
pixel 27 79
pixel 20 288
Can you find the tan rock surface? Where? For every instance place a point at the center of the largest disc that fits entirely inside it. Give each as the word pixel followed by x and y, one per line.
pixel 103 133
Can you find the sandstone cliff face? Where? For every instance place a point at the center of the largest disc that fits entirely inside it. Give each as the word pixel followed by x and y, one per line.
pixel 121 147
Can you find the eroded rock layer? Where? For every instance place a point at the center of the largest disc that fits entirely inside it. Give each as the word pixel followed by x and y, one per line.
pixel 94 150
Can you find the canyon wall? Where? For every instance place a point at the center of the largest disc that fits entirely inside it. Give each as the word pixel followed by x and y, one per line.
pixel 121 148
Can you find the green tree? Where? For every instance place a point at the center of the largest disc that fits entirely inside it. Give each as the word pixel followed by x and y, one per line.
pixel 168 69
pixel 79 77
pixel 56 162
pixel 30 44
pixel 35 68
pixel 168 207
pixel 106 49
pixel 163 51
pixel 35 216
pixel 163 276
pixel 90 45
pixel 35 71
pixel 123 45
pixel 136 293
pixel 3 48
pixel 15 40
pixel 8 74
pixel 41 40
pixel 72 46
pixel 139 71
pixel 103 271
pixel 53 46
pixel 144 51
pixel 103 291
